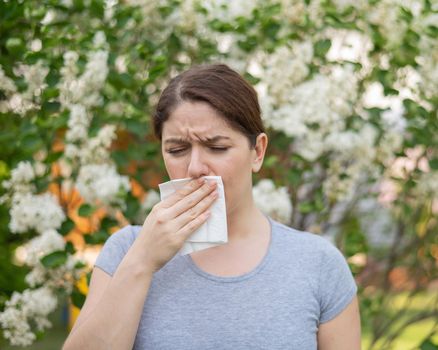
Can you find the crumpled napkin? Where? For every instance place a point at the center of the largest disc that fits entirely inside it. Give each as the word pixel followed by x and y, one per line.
pixel 214 231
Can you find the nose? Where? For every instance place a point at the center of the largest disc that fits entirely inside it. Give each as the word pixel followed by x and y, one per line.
pixel 198 166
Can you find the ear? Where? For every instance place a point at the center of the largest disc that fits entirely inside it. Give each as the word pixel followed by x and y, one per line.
pixel 259 151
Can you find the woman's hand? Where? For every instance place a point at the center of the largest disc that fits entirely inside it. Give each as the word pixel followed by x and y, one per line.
pixel 173 220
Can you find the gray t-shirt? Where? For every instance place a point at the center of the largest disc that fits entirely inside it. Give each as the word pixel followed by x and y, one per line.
pixel 302 281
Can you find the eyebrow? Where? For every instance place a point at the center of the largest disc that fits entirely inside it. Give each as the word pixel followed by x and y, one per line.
pixel 206 140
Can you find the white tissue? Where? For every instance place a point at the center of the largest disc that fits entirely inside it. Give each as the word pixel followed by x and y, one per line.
pixel 214 231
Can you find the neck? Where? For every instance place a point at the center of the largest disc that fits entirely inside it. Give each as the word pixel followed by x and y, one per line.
pixel 244 223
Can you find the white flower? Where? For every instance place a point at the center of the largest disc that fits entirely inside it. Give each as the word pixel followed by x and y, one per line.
pixel 78 123
pixel 99 39
pixel 229 10
pixel 106 135
pixel 342 5
pixel 47 242
pixel 428 185
pixel 95 150
pixel 7 85
pixel 24 172
pixel 16 328
pixel 40 212
pixel 385 15
pixel 36 276
pixel 101 182
pixel 349 45
pixel 287 67
pixel 83 90
pixel 272 201
pixel 34 76
pixel 23 307
pixel 120 64
pixel 152 197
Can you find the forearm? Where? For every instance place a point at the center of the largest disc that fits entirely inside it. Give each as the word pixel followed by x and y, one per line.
pixel 113 323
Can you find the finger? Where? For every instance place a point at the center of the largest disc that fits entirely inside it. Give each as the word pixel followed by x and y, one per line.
pixel 195 211
pixel 191 186
pixel 193 225
pixel 191 200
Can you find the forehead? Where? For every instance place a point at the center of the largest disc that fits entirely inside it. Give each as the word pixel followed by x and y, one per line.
pixel 196 119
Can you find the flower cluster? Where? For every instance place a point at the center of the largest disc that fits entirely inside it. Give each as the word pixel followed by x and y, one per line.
pixel 33 305
pixel 40 212
pixel 84 89
pixel 101 182
pixel 98 180
pixel 273 201
pixel 20 102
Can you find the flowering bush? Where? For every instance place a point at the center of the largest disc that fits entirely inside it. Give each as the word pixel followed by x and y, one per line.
pixel 348 91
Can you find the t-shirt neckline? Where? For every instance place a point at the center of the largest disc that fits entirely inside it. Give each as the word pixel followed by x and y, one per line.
pixel 188 259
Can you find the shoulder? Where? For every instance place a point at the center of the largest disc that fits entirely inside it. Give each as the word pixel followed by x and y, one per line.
pixel 124 237
pixel 116 247
pixel 297 241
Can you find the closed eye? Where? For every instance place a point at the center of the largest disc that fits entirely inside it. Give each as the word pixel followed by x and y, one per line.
pixel 181 150
pixel 218 149
pixel 176 151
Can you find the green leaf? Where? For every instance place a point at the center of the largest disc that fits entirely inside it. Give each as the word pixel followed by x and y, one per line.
pixel 85 210
pixel 322 47
pixel 428 345
pixel 305 207
pixel 270 161
pixel 54 259
pixel 251 79
pixel 69 248
pixel 66 227
pixel 107 223
pixel 98 237
pixel 433 163
pixel 53 157
pixel 132 206
pixel 31 143
pixel 77 298
pixel 15 46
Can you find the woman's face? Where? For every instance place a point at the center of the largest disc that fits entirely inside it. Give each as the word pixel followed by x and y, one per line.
pixel 197 141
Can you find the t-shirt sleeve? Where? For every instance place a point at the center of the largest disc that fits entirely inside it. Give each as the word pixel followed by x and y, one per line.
pixel 114 249
pixel 337 286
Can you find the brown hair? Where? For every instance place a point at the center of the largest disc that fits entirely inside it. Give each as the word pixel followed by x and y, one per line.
pixel 219 86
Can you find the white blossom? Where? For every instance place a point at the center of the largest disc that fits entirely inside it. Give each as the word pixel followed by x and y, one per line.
pixel 229 10
pixel 21 179
pixel 34 76
pixel 40 212
pixel 85 89
pixel 78 123
pixel 94 150
pixel 286 67
pixel 152 197
pixel 33 305
pixel 324 100
pixel 428 185
pixel 7 85
pixel 101 182
pixel 23 172
pixel 99 39
pixel 47 242
pixel 272 201
pixel 385 15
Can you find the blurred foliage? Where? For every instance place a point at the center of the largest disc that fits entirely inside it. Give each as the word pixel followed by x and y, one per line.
pixel 150 42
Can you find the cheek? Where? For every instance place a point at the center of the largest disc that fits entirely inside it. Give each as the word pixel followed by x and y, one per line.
pixel 175 168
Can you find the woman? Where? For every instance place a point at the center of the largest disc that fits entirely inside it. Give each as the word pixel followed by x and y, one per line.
pixel 269 287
